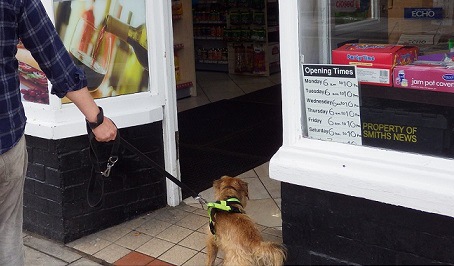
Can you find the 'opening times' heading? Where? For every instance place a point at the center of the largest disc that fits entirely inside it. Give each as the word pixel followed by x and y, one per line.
pixel 333 71
pixel 332 103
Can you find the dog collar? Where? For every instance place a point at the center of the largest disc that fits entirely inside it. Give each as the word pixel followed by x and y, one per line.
pixel 222 205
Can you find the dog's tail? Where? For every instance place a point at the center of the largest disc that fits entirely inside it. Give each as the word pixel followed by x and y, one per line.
pixel 271 253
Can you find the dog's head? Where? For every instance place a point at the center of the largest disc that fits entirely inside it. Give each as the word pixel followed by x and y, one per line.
pixel 227 187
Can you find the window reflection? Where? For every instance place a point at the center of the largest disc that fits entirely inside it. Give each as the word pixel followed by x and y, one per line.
pixel 349 11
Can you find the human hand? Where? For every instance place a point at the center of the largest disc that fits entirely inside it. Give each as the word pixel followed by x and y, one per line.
pixel 107 131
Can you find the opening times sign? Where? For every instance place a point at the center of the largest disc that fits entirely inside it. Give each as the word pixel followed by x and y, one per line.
pixel 332 103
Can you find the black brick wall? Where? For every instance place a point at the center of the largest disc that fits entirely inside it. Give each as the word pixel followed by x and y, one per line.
pixel 55 203
pixel 326 228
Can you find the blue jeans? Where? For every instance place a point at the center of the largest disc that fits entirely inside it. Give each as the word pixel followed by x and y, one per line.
pixel 13 167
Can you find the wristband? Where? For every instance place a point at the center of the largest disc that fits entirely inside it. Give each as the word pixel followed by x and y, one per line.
pixel 99 120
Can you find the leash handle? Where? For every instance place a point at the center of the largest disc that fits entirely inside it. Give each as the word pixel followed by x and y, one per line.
pixel 95 188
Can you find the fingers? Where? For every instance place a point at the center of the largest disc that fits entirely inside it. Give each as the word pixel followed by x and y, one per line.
pixel 105 132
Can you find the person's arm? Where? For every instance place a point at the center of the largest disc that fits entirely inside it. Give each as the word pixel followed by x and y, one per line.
pixel 38 35
pixel 107 131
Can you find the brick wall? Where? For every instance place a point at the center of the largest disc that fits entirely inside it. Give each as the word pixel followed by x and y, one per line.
pixel 321 227
pixel 55 203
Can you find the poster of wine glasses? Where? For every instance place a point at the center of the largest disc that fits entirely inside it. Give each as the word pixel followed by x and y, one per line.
pixel 108 40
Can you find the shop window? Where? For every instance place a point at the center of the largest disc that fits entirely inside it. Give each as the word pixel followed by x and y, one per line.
pixel 108 40
pixel 384 77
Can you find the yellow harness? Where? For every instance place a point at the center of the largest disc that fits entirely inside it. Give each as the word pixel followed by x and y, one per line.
pixel 222 205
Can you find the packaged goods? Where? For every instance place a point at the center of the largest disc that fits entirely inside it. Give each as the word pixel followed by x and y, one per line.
pixel 375 62
pixel 433 73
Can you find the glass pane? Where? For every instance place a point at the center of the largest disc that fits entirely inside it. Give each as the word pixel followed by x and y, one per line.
pixel 392 81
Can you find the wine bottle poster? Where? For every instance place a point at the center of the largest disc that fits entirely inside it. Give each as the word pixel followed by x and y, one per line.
pixel 108 40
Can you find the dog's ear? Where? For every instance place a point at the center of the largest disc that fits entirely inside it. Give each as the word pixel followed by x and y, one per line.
pixel 217 183
pixel 244 187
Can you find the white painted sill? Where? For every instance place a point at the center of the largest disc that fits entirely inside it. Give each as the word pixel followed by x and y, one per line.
pixel 66 121
pixel 410 180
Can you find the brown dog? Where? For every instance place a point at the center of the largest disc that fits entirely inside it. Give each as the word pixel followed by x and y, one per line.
pixel 235 233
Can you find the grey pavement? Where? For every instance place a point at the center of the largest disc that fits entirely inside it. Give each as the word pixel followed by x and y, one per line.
pixel 40 251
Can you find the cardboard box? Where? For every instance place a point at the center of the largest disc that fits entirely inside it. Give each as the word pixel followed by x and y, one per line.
pixel 439 57
pixel 434 72
pixel 374 62
pixel 419 39
pixel 425 77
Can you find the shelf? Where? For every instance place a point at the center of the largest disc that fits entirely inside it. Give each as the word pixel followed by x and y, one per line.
pixel 217 62
pixel 208 38
pixel 246 24
pixel 178 46
pixel 210 22
pixel 184 85
pixel 273 28
pixel 212 67
pixel 184 90
pixel 205 2
pixel 184 50
pixel 177 17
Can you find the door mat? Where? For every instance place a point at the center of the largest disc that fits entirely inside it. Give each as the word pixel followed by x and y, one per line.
pixel 229 137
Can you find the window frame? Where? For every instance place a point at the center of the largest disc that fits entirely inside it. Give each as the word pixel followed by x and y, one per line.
pixel 57 120
pixel 416 181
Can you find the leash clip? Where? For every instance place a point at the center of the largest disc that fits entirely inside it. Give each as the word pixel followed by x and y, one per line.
pixel 110 163
pixel 201 200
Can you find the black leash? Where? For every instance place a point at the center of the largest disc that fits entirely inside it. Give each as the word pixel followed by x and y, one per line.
pixel 95 189
pixel 100 168
pixel 162 171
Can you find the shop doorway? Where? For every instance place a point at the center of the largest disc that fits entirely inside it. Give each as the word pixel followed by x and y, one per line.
pixel 231 120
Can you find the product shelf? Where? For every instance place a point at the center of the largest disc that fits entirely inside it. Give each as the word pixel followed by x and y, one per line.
pixel 183 49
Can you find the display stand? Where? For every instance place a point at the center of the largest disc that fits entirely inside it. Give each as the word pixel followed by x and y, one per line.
pixel 210 46
pixel 183 49
pixel 253 38
pixel 239 37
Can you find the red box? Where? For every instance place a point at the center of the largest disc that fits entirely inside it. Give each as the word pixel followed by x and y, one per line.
pixel 374 62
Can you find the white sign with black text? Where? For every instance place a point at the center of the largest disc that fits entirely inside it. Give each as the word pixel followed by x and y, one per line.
pixel 331 96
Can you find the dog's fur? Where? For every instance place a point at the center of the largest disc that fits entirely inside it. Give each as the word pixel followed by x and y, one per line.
pixel 236 234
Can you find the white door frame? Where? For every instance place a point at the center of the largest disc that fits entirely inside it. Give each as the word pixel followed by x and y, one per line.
pixel 170 113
